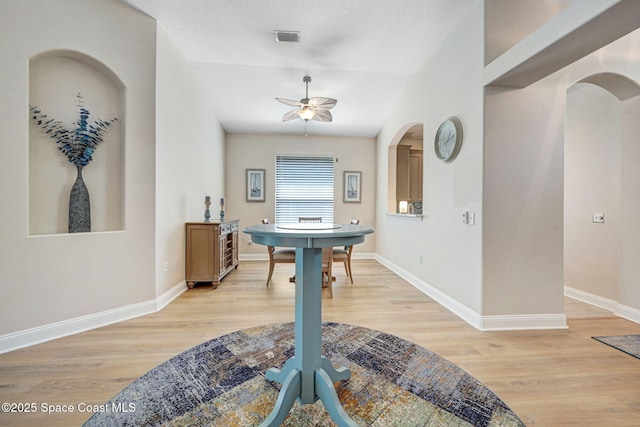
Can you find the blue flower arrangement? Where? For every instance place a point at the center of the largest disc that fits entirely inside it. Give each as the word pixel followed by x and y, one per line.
pixel 76 144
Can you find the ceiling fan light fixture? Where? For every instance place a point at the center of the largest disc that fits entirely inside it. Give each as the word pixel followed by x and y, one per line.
pixel 306 113
pixel 316 108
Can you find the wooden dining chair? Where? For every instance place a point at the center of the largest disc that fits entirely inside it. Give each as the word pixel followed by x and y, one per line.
pixel 343 255
pixel 284 255
pixel 327 270
pixel 327 257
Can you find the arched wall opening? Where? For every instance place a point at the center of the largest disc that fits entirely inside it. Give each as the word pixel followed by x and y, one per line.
pixel 55 80
pixel 601 200
pixel 405 170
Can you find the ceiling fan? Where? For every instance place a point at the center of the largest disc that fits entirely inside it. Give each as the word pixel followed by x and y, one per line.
pixel 316 108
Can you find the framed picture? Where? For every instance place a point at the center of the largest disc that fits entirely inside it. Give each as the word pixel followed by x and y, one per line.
pixel 352 186
pixel 255 185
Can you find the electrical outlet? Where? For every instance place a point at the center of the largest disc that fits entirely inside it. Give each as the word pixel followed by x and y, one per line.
pixel 166 266
pixel 598 217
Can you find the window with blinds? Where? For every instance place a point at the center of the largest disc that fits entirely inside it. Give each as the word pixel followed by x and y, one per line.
pixel 304 187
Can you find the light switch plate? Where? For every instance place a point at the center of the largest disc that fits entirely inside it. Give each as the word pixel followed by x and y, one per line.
pixel 598 217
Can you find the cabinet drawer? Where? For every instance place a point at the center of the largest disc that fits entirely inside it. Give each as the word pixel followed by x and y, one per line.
pixel 225 229
pixel 234 226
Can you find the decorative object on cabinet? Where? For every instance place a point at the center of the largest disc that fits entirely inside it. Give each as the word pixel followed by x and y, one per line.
pixel 352 186
pixel 78 145
pixel 448 139
pixel 207 214
pixel 255 185
pixel 222 209
pixel 211 251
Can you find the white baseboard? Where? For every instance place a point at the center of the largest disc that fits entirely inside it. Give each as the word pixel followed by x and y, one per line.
pixel 40 334
pixel 163 300
pixel 441 298
pixel 523 322
pixel 483 323
pixel 628 313
pixel 589 298
pixel 614 306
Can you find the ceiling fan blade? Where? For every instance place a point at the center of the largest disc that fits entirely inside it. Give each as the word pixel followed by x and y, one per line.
pixel 322 115
pixel 322 102
pixel 290 116
pixel 316 108
pixel 289 102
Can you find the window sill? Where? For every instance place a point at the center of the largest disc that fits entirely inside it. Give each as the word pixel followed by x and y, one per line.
pixel 411 217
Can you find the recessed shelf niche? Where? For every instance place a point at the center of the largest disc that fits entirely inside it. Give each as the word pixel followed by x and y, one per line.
pixel 55 79
pixel 406 171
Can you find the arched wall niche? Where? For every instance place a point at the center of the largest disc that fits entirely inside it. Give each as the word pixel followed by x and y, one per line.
pixel 405 170
pixel 618 85
pixel 55 79
pixel 602 151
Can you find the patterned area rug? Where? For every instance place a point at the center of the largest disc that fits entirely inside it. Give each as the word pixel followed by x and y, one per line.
pixel 221 383
pixel 629 344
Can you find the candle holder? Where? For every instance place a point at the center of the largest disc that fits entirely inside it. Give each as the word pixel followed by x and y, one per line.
pixel 207 214
pixel 222 209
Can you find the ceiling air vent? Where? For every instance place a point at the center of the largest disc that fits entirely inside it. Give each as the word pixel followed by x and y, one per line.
pixel 287 36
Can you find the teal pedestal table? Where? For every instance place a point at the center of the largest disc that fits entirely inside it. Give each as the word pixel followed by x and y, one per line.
pixel 308 376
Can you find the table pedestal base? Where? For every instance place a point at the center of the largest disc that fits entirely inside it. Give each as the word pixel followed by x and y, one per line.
pixel 308 376
pixel 291 379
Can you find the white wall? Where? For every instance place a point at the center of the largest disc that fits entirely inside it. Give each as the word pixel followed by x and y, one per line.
pixel 592 146
pixel 629 284
pixel 259 152
pixel 449 84
pixel 507 22
pixel 508 264
pixel 524 194
pixel 523 199
pixel 55 278
pixel 189 159
pixel 601 174
pixel 507 270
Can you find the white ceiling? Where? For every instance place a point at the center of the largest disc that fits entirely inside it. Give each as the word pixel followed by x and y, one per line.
pixel 360 52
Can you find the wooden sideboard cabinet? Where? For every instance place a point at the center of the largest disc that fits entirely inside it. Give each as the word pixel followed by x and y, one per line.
pixel 211 251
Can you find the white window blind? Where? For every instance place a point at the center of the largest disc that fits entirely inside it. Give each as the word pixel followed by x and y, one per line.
pixel 304 187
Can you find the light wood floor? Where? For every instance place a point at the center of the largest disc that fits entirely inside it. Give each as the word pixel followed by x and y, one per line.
pixel 549 378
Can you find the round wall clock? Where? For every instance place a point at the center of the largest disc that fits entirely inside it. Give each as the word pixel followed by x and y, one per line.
pixel 448 139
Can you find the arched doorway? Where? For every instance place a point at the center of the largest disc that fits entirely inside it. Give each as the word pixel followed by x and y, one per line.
pixel 601 194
